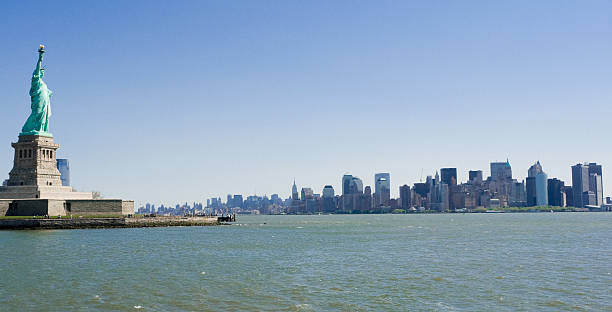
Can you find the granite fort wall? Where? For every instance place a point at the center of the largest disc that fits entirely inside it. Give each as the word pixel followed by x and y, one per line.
pixel 53 207
pixel 28 207
pixel 127 207
pixel 4 206
pixel 99 207
pixel 84 223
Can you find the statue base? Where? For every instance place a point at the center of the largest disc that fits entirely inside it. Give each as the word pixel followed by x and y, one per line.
pixel 38 133
pixel 35 173
pixel 35 162
pixel 42 192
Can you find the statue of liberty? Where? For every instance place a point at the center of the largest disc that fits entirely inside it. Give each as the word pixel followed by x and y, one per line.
pixel 38 122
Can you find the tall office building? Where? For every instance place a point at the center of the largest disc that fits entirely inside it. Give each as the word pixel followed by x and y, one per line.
pixel 307 193
pixel 329 200
pixel 328 191
pixel 596 183
pixel 346 183
pixel 595 186
pixel 238 201
pixel 556 192
pixel 518 196
pixel 64 168
pixel 449 176
pixel 444 199
pixel 356 186
pixel 594 168
pixel 534 170
pixel 569 196
pixel 501 171
pixel 382 189
pixel 352 189
pixel 537 184
pixel 421 189
pixel 379 176
pixel 530 185
pixel 588 178
pixel 404 191
pixel 365 200
pixel 475 177
pixel 294 192
pixel 580 184
pixel 542 189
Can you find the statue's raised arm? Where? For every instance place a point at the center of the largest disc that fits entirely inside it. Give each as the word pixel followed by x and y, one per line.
pixel 38 122
pixel 37 70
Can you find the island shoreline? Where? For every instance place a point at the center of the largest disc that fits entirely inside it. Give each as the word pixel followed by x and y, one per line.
pixel 97 223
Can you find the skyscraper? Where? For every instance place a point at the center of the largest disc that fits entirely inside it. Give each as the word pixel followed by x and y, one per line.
pixel 596 182
pixel 377 176
pixel 238 201
pixel 518 196
pixel 449 176
pixel 569 196
pixel 421 189
pixel 356 186
pixel 294 192
pixel 537 184
pixel 595 186
pixel 556 192
pixel 307 193
pixel 382 189
pixel 352 189
pixel 530 185
pixel 444 197
pixel 329 200
pixel 346 183
pixel 534 170
pixel 64 168
pixel 501 171
pixel 328 191
pixel 542 189
pixel 580 184
pixel 475 177
pixel 404 192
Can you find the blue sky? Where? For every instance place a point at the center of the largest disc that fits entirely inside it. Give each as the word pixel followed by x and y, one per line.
pixel 165 101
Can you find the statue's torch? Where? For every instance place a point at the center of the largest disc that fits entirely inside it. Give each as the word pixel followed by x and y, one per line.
pixel 41 49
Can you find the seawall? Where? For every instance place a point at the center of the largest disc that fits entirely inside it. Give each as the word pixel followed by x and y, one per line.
pixel 92 223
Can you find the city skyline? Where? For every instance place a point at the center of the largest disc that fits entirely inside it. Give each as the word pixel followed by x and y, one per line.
pixel 194 99
pixel 538 189
pixel 396 185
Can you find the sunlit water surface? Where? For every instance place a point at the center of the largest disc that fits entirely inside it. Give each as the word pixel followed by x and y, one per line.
pixel 449 262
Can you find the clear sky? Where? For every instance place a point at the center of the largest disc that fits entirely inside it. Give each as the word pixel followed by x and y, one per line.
pixel 174 101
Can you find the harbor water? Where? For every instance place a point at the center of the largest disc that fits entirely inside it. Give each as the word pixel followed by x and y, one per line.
pixel 422 262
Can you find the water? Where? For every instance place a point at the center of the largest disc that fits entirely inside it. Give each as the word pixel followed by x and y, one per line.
pixel 450 262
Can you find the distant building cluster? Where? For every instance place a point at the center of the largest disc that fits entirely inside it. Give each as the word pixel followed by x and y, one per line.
pixel 438 193
pixel 178 210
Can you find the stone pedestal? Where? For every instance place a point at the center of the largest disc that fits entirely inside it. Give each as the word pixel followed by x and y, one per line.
pixel 35 162
pixel 35 173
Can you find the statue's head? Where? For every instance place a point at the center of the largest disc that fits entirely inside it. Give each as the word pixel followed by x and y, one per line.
pixel 42 72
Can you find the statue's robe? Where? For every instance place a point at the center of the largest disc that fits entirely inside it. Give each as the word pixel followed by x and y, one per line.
pixel 38 122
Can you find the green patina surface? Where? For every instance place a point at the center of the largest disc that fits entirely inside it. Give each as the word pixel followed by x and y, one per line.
pixel 38 122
